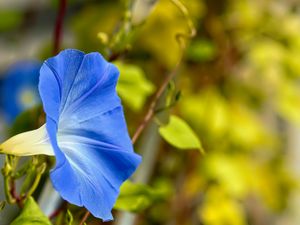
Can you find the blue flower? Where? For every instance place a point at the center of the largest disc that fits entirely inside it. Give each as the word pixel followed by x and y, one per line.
pixel 19 90
pixel 85 130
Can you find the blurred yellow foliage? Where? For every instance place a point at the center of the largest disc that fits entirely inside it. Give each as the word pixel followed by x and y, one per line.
pixel 157 36
pixel 220 209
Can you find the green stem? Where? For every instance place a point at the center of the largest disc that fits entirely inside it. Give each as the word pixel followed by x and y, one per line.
pixel 7 190
pixel 22 171
pixel 36 182
pixel 39 173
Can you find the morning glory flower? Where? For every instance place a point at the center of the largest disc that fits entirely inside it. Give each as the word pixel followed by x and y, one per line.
pixel 18 90
pixel 85 130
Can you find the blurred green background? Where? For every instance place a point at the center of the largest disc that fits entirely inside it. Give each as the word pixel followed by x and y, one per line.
pixel 238 88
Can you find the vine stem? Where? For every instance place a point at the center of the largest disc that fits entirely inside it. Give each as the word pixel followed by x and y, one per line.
pixel 85 217
pixel 151 111
pixel 180 38
pixel 59 26
pixel 58 211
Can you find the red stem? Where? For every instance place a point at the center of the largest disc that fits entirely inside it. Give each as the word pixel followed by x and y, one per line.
pixel 151 111
pixel 59 26
pixel 58 211
pixel 15 195
pixel 85 217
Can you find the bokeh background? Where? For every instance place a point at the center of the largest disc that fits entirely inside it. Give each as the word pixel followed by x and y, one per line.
pixel 238 87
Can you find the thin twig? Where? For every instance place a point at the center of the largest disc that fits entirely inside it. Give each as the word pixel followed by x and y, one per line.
pixel 151 110
pixel 85 217
pixel 59 26
pixel 180 38
pixel 62 207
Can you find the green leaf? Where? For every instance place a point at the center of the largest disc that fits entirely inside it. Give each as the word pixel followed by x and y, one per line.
pixel 31 215
pixel 133 87
pixel 179 134
pixel 137 197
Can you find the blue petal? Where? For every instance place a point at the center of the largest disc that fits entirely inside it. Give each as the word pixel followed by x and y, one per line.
pixel 63 170
pixel 56 78
pixel 87 128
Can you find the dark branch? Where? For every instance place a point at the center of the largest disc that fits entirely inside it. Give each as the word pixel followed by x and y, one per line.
pixel 59 26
